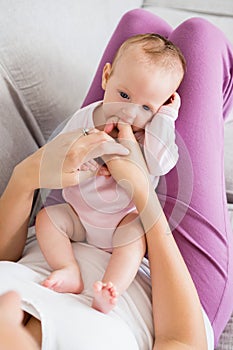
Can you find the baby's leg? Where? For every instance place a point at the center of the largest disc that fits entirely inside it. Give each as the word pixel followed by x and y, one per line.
pixel 123 265
pixel 55 226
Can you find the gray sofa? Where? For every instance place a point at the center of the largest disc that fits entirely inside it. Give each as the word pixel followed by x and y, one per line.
pixel 49 51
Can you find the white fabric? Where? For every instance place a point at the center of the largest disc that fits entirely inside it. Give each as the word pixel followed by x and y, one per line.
pixel 68 321
pixel 228 159
pixel 209 331
pixel 160 149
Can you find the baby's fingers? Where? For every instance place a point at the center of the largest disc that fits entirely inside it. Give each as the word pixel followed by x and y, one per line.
pixel 111 123
pixel 175 101
pixel 91 165
pixel 106 148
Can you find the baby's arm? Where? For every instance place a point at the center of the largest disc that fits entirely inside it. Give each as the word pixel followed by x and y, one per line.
pixel 159 147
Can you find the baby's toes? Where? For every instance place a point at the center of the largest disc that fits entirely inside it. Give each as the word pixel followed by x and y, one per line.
pixel 98 286
pixel 113 291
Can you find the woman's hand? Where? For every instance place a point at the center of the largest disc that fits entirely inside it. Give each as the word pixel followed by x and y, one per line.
pixel 12 333
pixel 53 166
pixel 130 171
pixel 56 164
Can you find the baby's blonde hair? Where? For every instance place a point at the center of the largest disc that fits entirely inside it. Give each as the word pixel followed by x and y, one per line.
pixel 156 49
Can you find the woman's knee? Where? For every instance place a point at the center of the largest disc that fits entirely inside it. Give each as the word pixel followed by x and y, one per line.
pixel 133 18
pixel 199 30
pixel 139 21
pixel 199 40
pixel 196 25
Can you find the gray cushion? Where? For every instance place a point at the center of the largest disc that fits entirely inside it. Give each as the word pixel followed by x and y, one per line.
pixel 229 160
pixel 49 51
pixel 18 136
pixel 226 339
pixel 223 7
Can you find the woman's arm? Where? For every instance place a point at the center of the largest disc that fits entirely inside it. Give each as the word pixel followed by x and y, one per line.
pixel 53 166
pixel 177 311
pixel 15 207
pixel 178 320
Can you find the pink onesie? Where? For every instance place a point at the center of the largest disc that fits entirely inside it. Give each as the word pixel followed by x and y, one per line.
pixel 99 201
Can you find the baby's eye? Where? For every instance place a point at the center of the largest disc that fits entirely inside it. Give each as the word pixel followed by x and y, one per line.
pixel 124 95
pixel 146 108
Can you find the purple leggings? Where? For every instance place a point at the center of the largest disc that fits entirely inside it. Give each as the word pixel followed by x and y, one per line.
pixel 193 193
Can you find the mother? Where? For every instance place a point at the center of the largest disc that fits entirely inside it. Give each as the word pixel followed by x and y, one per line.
pixel 202 233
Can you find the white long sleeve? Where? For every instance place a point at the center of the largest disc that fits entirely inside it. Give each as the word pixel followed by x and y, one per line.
pixel 158 141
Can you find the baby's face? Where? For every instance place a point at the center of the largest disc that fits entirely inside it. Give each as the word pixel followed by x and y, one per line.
pixel 135 90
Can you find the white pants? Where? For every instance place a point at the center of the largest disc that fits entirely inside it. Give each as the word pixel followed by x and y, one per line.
pixel 68 321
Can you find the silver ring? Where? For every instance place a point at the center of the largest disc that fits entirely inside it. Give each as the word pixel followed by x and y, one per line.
pixel 85 131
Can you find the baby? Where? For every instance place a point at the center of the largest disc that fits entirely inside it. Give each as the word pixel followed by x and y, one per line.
pixel 139 88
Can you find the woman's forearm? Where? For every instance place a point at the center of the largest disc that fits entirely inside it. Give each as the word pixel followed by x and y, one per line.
pixel 15 208
pixel 176 307
pixel 178 320
pixel 54 165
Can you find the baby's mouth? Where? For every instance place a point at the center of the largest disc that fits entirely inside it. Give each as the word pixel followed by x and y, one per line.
pixel 136 128
pixel 114 133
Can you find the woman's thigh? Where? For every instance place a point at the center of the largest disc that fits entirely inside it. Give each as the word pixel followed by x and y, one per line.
pixel 193 193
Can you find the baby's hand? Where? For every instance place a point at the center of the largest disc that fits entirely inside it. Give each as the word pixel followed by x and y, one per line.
pixel 175 101
pixel 91 165
pixel 95 168
pixel 171 109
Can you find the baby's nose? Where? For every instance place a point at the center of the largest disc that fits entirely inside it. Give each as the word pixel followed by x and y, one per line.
pixel 129 113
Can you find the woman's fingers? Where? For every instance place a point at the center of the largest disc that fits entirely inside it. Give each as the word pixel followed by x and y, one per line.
pixel 96 145
pixel 62 157
pixel 125 132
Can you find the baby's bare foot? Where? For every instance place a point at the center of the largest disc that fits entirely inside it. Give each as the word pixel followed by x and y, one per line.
pixel 65 280
pixel 105 296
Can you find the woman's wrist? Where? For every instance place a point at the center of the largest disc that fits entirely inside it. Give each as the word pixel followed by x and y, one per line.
pixel 25 175
pixel 148 206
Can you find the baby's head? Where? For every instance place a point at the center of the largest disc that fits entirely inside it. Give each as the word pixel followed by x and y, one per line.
pixel 146 71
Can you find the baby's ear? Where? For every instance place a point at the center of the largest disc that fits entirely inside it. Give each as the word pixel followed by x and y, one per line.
pixel 106 74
